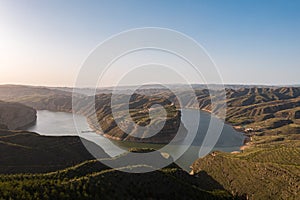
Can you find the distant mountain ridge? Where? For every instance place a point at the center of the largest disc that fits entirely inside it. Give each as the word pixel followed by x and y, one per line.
pixel 267 167
pixel 268 109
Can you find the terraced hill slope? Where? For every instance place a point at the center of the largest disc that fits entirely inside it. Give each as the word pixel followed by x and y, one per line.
pixel 139 105
pixel 269 169
pixel 269 110
pixel 265 110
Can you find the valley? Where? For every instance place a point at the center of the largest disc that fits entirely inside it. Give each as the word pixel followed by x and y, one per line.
pixel 269 117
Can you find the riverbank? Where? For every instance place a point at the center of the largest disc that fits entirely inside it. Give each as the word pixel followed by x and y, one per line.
pixel 239 129
pixel 189 117
pixel 61 123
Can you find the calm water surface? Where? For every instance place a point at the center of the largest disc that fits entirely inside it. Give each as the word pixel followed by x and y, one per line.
pixel 60 123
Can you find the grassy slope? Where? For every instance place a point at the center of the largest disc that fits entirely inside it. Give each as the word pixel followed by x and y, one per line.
pixel 267 170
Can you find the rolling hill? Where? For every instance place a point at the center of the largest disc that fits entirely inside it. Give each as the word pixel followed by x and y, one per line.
pixel 268 166
pixel 27 152
pixel 40 167
pixel 16 116
pixel 266 170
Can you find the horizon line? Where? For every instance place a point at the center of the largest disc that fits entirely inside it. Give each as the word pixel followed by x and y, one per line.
pixel 174 84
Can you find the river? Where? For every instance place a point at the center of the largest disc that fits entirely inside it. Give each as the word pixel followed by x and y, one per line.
pixel 60 124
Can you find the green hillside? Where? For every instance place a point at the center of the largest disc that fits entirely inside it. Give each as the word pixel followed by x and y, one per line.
pixel 268 167
pixel 266 170
pixel 86 181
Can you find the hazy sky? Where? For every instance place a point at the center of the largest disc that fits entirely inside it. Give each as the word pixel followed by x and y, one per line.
pixel 252 42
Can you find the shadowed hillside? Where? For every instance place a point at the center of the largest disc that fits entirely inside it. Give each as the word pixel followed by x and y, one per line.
pixel 265 110
pixel 55 100
pixel 27 152
pixel 268 110
pixel 266 168
pixel 16 116
pixel 89 180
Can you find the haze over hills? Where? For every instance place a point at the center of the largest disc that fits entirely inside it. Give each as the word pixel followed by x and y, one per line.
pixel 267 110
pixel 89 90
pixel 269 116
pixel 130 89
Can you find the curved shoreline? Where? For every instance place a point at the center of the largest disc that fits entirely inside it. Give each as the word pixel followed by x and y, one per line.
pixel 236 128
pixel 247 140
pixel 150 141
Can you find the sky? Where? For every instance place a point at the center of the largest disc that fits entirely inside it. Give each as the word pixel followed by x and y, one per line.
pixel 251 42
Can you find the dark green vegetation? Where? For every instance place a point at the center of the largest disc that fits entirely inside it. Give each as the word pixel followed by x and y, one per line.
pixel 269 165
pixel 29 153
pixel 267 168
pixel 89 181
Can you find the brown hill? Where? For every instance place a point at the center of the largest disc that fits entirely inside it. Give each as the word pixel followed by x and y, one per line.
pixel 55 100
pixel 139 106
pixel 272 110
pixel 264 109
pixel 16 116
